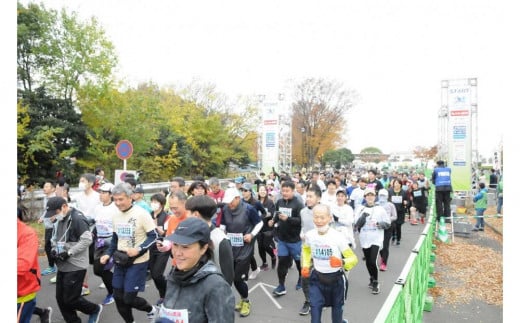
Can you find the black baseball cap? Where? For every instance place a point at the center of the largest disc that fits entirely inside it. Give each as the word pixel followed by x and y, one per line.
pixel 190 231
pixel 53 204
pixel 139 189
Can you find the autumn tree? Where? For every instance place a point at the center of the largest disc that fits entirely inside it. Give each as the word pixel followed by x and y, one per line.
pixel 319 117
pixel 425 153
pixel 170 134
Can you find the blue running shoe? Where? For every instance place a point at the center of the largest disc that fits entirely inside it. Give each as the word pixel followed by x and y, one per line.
pixel 49 271
pixel 280 290
pixel 108 300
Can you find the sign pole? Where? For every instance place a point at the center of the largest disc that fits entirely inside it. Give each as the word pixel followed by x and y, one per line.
pixel 124 150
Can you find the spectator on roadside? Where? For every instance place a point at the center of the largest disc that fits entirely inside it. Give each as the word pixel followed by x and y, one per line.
pixel 480 201
pixel 134 233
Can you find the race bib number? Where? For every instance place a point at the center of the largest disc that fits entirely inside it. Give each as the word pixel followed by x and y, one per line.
pixel 176 316
pixel 397 199
pixel 60 247
pixel 286 211
pixel 237 239
pixel 417 193
pixel 104 228
pixel 124 230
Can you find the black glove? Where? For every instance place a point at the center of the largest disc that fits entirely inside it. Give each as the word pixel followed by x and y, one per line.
pixel 63 256
pixel 362 220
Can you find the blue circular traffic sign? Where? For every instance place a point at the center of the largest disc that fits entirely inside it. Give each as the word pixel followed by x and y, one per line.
pixel 124 149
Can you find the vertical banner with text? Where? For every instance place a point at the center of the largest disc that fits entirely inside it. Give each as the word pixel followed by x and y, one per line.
pixel 270 139
pixel 459 133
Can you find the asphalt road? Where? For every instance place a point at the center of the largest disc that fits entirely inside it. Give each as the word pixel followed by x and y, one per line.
pixel 361 305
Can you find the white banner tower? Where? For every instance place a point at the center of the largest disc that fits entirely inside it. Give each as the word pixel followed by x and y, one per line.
pixel 458 130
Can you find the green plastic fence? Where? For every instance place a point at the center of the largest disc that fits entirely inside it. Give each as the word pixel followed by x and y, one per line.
pixel 405 302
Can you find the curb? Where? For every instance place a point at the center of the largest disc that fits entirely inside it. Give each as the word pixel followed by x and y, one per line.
pixel 494 229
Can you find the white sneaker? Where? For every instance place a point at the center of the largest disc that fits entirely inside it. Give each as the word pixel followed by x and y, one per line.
pixel 53 280
pixel 102 285
pixel 255 273
pixel 151 315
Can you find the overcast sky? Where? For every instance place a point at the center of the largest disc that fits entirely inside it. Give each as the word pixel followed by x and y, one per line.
pixel 394 53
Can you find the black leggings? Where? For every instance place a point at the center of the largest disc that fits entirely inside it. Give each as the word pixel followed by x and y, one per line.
pixel 157 264
pixel 266 245
pixel 396 231
pixel 126 301
pixel 385 251
pixel 284 263
pixel 371 261
pixel 99 270
pixel 48 246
